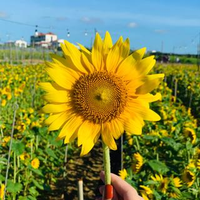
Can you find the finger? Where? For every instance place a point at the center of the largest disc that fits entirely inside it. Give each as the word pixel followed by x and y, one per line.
pixel 101 189
pixel 108 192
pixel 122 187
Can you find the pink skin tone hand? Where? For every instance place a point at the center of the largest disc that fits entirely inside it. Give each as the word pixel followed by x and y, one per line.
pixel 122 190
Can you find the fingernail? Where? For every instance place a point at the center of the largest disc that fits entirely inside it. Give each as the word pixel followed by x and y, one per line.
pixel 108 192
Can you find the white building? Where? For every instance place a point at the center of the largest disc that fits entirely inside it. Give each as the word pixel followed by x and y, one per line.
pixel 43 39
pixel 57 43
pixel 21 43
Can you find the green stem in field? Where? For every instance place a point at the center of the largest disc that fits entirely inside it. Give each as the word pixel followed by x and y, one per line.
pixel 106 162
pixel 31 149
pixel 137 143
pixel 37 142
pixel 18 167
pixel 10 147
pixel 15 168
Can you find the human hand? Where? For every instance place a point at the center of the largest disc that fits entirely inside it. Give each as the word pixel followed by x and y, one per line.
pixel 122 190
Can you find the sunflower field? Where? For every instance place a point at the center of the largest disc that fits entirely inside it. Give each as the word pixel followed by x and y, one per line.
pixel 162 163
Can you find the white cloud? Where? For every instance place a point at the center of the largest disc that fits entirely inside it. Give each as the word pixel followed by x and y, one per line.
pixel 3 15
pixel 90 20
pixel 132 25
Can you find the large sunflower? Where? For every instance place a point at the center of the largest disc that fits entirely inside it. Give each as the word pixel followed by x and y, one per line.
pixel 100 93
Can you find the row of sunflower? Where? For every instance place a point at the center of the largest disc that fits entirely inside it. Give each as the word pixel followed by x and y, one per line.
pixel 184 80
pixel 164 163
pixel 35 156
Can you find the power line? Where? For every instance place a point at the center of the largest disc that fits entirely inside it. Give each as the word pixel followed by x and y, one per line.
pixel 24 24
pixel 30 25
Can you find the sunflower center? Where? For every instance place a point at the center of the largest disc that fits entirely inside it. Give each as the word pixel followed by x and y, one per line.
pixel 99 97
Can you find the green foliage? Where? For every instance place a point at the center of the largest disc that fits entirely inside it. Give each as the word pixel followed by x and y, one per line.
pixel 166 150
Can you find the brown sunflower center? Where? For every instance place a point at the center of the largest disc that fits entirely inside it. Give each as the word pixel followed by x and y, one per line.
pixel 99 97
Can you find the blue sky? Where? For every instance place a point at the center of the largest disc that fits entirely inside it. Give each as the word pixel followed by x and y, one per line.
pixel 156 24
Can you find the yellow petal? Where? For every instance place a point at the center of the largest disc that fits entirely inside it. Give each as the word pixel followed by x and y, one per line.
pixel 52 118
pixel 97 58
pixel 150 97
pixel 47 87
pixel 141 108
pixel 125 48
pixel 117 54
pixel 138 54
pixel 84 50
pixel 151 82
pixel 132 85
pixel 57 97
pixel 66 63
pixel 126 68
pixel 145 65
pixel 150 115
pixel 86 131
pixel 87 64
pixel 74 54
pixel 55 108
pixel 133 126
pixel 57 123
pixel 107 137
pixel 116 128
pixel 88 144
pixel 113 58
pixel 70 128
pixel 71 73
pixel 61 77
pixel 107 43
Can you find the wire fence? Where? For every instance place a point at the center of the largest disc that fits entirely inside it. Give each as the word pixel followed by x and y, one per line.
pixel 15 55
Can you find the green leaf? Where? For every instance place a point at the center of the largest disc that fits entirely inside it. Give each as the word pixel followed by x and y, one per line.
pixel 33 191
pixel 157 195
pixel 171 142
pixel 37 171
pixel 14 187
pixel 150 137
pixel 187 195
pixel 188 145
pixel 151 182
pixel 31 198
pixel 22 198
pixel 18 147
pixel 51 153
pixel 2 178
pixel 158 166
pixel 38 185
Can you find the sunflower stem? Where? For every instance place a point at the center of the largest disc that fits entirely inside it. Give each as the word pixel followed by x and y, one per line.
pixel 106 162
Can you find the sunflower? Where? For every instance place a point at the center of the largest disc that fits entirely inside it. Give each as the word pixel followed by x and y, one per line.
pixel 123 174
pixel 163 182
pixel 138 162
pixel 24 156
pixel 3 102
pixel 35 163
pixel 174 195
pixel 198 164
pixel 190 133
pixel 146 192
pixel 188 177
pixel 2 191
pixel 100 93
pixel 177 182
